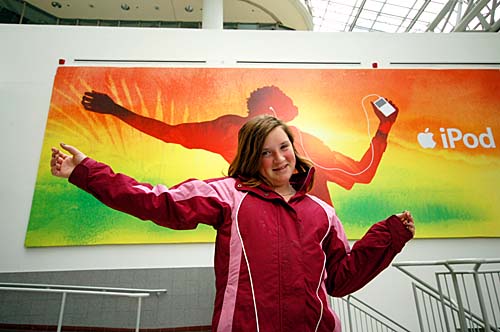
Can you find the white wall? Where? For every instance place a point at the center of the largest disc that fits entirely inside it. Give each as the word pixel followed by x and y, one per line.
pixel 28 62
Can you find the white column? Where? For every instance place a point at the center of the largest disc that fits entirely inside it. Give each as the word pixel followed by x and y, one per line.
pixel 213 14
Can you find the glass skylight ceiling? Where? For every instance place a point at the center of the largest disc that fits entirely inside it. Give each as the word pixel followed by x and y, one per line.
pixel 404 15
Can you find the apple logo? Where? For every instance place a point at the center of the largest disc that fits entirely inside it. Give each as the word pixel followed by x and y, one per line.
pixel 425 139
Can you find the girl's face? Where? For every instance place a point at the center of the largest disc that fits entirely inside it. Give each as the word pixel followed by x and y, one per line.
pixel 277 161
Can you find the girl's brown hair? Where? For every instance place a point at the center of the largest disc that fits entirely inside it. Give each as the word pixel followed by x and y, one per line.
pixel 251 139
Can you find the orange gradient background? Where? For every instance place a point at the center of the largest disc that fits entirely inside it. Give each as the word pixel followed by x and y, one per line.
pixel 451 192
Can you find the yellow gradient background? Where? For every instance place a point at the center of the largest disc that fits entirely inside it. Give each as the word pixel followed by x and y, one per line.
pixel 451 192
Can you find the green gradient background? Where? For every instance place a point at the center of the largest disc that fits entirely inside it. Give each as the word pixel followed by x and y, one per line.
pixel 450 192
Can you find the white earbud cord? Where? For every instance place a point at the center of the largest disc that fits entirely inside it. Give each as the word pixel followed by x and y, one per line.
pixel 274 112
pixel 369 137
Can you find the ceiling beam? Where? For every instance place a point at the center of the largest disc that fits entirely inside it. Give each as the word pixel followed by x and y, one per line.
pixel 495 27
pixel 440 15
pixel 419 13
pixel 360 9
pixel 494 6
pixel 462 25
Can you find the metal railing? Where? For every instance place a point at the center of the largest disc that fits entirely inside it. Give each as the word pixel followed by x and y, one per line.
pixel 358 316
pixel 137 293
pixel 464 298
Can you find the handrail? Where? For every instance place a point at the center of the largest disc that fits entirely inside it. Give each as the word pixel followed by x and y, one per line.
pixel 447 302
pixel 103 289
pixel 45 290
pixel 445 263
pixel 476 263
pixel 387 318
pixel 449 262
pixel 86 290
pixel 378 320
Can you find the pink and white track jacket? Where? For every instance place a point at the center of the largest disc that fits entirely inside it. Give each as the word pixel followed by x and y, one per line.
pixel 275 261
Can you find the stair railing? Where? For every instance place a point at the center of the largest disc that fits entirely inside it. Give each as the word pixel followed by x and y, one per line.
pixel 64 290
pixel 464 298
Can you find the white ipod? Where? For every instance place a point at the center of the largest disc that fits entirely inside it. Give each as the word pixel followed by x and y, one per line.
pixel 384 106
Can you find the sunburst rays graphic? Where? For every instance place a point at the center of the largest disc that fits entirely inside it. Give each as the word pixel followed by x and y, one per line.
pixel 106 136
pixel 68 118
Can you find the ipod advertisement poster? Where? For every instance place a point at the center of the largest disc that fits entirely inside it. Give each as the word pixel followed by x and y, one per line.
pixel 436 153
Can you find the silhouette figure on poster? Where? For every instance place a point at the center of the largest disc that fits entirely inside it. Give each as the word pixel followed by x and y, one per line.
pixel 219 136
